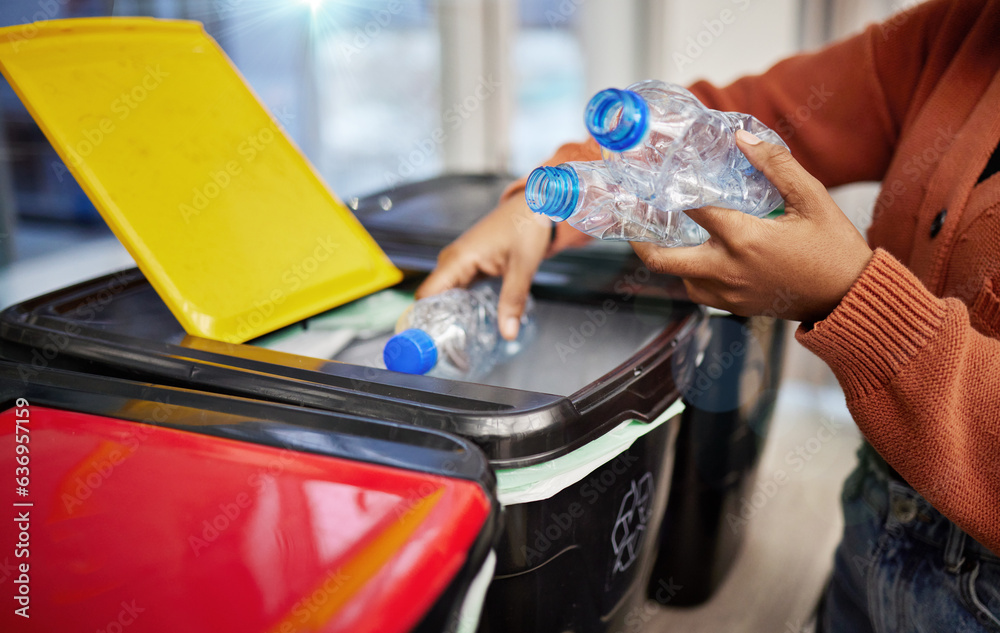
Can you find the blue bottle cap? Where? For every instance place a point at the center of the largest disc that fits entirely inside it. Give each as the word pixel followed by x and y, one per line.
pixel 553 191
pixel 410 352
pixel 617 119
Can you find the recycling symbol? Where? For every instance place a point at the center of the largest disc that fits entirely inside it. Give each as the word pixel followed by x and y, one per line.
pixel 626 537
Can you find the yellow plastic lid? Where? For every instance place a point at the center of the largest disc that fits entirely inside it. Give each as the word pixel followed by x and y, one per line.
pixel 222 213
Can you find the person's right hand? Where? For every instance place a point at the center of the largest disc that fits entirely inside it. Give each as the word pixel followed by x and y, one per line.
pixel 510 242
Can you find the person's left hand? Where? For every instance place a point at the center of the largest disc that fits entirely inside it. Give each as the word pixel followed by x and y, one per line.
pixel 797 266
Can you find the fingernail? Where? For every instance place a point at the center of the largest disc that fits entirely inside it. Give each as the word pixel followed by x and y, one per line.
pixel 510 325
pixel 747 137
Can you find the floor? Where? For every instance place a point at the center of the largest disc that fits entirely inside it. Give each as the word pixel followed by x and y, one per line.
pixel 794 523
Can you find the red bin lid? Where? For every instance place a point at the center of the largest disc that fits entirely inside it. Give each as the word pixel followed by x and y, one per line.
pixel 176 531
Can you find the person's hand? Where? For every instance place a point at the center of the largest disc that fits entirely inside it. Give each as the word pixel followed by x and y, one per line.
pixel 797 266
pixel 510 242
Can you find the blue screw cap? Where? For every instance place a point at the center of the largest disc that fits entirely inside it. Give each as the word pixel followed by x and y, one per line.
pixel 617 119
pixel 411 352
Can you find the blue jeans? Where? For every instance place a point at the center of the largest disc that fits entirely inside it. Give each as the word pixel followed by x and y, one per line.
pixel 904 568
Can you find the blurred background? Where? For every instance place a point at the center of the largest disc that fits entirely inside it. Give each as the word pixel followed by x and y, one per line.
pixel 387 91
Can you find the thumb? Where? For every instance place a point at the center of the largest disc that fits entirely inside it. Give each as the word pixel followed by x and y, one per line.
pixel 797 186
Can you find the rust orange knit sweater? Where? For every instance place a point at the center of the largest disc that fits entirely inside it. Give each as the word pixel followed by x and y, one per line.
pixel 913 102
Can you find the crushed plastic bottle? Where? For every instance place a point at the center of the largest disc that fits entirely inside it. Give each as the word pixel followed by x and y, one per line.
pixel 668 148
pixel 455 334
pixel 593 202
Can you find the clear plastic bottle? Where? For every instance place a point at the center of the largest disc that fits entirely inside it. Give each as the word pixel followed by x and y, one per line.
pixel 588 197
pixel 455 334
pixel 663 144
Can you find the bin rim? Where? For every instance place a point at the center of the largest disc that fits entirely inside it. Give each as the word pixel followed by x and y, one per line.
pixel 278 425
pixel 513 427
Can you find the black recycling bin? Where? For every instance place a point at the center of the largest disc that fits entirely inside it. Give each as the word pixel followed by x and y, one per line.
pixel 729 400
pixel 189 507
pixel 724 429
pixel 584 474
pixel 580 428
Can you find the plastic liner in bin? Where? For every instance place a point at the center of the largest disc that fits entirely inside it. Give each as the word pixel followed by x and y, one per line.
pixel 199 512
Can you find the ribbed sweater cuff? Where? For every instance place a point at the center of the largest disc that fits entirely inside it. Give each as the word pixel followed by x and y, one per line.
pixel 885 319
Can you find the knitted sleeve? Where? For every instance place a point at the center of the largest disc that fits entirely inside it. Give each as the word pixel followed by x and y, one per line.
pixel 923 386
